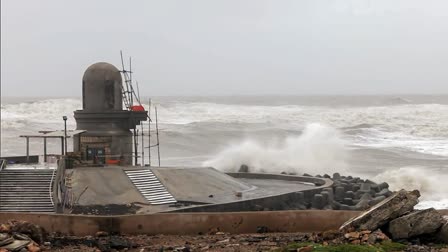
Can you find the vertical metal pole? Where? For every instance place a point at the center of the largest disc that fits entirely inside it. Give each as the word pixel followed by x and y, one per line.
pixel 143 145
pixel 130 81
pixel 135 148
pixel 27 150
pixel 65 135
pixel 45 149
pixel 157 131
pixel 149 132
pixel 62 146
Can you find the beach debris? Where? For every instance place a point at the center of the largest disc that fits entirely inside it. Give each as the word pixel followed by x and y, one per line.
pixel 21 236
pixel 426 221
pixel 391 208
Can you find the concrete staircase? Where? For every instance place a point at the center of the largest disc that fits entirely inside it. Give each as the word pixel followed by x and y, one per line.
pixel 150 187
pixel 26 190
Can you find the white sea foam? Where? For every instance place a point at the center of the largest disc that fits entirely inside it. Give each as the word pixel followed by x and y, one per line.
pixel 44 111
pixel 431 184
pixel 320 149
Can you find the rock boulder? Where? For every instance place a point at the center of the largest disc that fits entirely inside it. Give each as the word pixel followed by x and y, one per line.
pixel 426 221
pixel 391 208
pixel 442 235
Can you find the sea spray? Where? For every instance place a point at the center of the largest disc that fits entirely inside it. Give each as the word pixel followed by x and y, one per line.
pixel 319 149
pixel 430 182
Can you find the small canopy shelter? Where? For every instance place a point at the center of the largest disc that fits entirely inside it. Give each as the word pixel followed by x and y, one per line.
pixel 63 135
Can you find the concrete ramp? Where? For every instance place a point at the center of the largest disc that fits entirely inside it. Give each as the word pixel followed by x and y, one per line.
pixel 104 186
pixel 205 185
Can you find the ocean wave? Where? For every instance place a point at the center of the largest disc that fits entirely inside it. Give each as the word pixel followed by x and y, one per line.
pixel 48 112
pixel 430 182
pixel 320 149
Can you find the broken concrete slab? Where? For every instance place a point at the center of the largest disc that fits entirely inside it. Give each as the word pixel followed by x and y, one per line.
pixel 442 235
pixel 391 208
pixel 417 223
pixel 16 245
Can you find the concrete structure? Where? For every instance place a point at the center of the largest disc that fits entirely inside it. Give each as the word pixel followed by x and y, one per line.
pixel 188 223
pixel 107 125
pixel 192 190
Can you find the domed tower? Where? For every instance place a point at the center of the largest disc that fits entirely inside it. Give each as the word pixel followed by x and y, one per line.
pixel 108 136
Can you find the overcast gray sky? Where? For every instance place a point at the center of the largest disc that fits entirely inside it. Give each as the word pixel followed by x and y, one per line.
pixel 228 47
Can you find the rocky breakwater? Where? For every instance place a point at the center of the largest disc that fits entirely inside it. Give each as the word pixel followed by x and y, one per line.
pixel 350 193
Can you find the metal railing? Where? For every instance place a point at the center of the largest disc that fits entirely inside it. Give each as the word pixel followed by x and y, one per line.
pixel 2 164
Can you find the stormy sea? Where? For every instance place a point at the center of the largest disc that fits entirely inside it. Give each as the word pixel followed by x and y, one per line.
pixel 402 140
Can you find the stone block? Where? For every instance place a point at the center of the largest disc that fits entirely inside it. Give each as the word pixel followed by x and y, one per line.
pixel 397 205
pixel 417 223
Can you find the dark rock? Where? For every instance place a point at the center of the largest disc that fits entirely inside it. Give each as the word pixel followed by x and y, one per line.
pixel 356 187
pixel 318 201
pixel 397 205
pixel 339 193
pixel 119 243
pixel 330 194
pixel 365 188
pixel 366 196
pixel 375 188
pixel 345 207
pixel 348 201
pixel 244 168
pixel 384 192
pixel 35 232
pixel 336 176
pixel 326 196
pixel 306 175
pixel 350 194
pixel 442 235
pixel 363 204
pixel 327 176
pixel 383 185
pixel 416 223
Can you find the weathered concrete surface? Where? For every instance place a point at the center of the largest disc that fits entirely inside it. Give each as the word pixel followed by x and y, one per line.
pixel 391 208
pixel 426 221
pixel 105 185
pixel 442 235
pixel 206 185
pixel 188 223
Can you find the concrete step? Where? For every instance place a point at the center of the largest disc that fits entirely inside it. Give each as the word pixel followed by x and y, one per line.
pixel 26 191
pixel 150 187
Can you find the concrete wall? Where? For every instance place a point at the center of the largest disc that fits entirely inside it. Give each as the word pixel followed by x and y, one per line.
pixel 187 223
pixel 275 202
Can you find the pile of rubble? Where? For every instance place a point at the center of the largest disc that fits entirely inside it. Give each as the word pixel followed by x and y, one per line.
pixel 397 218
pixel 21 236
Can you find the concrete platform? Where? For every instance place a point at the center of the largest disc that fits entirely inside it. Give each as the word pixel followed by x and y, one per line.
pixel 192 188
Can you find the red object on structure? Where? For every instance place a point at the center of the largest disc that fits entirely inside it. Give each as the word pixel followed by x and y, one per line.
pixel 113 162
pixel 137 108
